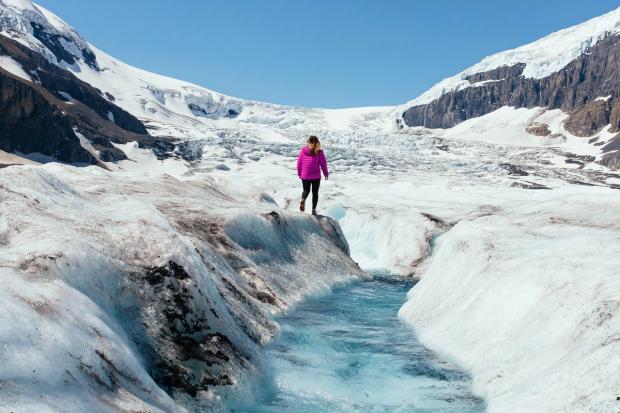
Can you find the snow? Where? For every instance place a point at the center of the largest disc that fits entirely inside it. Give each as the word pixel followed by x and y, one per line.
pixel 12 159
pixel 348 119
pixel 508 126
pixel 603 98
pixel 13 67
pixel 19 4
pixel 541 58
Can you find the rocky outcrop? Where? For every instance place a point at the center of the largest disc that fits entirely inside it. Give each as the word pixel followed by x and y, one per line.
pixel 611 160
pixel 55 43
pixel 41 116
pixel 29 122
pixel 574 89
pixel 57 80
pixel 538 129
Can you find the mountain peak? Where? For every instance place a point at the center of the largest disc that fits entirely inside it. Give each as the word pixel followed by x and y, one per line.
pixel 541 57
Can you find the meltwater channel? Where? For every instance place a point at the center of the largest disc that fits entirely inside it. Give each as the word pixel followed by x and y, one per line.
pixel 349 352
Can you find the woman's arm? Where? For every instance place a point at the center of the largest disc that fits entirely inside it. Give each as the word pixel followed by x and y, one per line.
pixel 323 162
pixel 299 163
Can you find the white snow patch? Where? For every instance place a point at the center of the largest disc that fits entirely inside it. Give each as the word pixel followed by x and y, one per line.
pixel 603 98
pixel 13 67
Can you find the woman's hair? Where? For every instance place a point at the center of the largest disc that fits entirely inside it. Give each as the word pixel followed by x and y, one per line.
pixel 317 144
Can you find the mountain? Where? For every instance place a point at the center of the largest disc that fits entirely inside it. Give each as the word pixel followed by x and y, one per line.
pixel 574 70
pixel 567 79
pixel 70 79
pixel 45 108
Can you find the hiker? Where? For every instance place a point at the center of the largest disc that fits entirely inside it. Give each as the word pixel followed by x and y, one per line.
pixel 310 162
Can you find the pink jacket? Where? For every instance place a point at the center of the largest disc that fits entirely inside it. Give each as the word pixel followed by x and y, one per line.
pixel 309 166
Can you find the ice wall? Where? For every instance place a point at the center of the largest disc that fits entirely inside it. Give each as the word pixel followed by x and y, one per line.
pixel 150 294
pixel 386 239
pixel 527 299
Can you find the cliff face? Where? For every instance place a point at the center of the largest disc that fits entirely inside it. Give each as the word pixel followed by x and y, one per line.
pixel 588 89
pixel 41 115
pixel 573 89
pixel 31 123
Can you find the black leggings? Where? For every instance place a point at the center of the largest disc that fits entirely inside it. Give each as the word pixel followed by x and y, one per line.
pixel 307 183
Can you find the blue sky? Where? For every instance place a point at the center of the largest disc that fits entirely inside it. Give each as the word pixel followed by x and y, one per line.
pixel 317 53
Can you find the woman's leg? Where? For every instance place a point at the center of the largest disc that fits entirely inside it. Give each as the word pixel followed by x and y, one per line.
pixel 304 194
pixel 315 192
pixel 306 186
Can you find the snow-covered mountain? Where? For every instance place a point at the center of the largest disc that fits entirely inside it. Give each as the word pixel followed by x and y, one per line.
pixel 574 70
pixel 148 281
pixel 565 80
pixel 162 102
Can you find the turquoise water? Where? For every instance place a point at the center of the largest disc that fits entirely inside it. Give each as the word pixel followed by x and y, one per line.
pixel 348 352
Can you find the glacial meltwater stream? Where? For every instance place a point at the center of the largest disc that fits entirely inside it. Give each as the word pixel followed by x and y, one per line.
pixel 349 352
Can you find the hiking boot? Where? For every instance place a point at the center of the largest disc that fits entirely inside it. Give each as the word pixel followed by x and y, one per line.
pixel 314 212
pixel 302 205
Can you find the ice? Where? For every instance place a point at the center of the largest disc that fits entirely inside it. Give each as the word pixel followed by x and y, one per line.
pixel 538 281
pixel 77 313
pixel 380 241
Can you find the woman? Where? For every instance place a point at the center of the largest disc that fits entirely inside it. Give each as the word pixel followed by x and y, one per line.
pixel 310 162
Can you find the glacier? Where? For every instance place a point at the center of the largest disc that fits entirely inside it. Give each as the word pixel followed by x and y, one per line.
pixel 513 238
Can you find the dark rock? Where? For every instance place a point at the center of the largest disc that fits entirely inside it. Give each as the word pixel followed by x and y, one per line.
pixel 112 155
pixel 184 355
pixel 30 122
pixel 611 160
pixel 529 185
pixel 513 170
pixel 190 150
pixel 574 162
pixel 613 144
pixel 589 119
pixel 162 149
pixel 55 79
pixel 54 42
